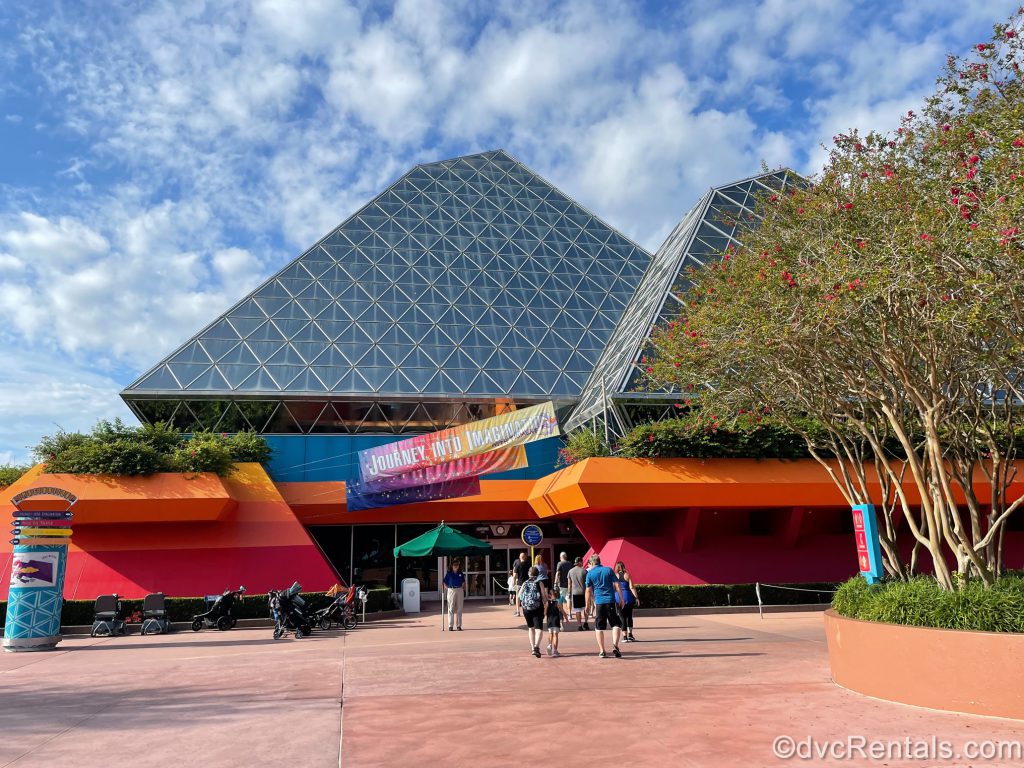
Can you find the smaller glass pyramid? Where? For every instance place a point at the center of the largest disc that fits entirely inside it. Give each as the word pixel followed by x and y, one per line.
pixel 706 231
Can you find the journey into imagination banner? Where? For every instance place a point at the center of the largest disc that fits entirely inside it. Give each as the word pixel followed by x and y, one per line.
pixel 450 445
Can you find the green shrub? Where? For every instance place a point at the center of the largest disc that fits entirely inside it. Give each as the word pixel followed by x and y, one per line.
pixel 379 599
pixel 80 612
pixel 114 448
pixel 11 473
pixel 248 446
pixel 582 444
pixel 703 437
pixel 713 595
pixel 205 452
pixel 921 602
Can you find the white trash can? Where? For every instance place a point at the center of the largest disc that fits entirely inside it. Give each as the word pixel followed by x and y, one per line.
pixel 411 595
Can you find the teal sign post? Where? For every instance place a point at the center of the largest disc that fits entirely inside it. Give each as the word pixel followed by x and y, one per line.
pixel 42 529
pixel 869 551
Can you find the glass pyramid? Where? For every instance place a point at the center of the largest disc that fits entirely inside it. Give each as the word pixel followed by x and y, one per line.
pixel 466 280
pixel 704 232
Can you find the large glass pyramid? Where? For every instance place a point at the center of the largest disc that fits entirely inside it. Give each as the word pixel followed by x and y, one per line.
pixel 467 280
pixel 705 232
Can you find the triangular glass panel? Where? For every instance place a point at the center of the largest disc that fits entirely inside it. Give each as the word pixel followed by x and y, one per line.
pixel 210 380
pixel 191 353
pixel 260 381
pixel 161 378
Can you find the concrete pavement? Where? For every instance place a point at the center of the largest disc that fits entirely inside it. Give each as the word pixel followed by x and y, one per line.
pixel 695 691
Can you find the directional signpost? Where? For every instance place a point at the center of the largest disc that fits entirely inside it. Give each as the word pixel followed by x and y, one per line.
pixel 41 531
pixel 532 536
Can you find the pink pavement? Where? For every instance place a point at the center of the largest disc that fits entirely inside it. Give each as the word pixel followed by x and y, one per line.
pixel 710 690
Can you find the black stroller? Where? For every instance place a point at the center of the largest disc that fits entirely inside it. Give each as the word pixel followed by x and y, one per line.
pixel 289 613
pixel 340 612
pixel 219 613
pixel 108 617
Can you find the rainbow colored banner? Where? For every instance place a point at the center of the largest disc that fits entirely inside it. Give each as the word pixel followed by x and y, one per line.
pixel 458 443
pixel 501 460
pixel 358 498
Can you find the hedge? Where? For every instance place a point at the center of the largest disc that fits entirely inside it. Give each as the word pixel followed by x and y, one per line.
pixel 714 595
pixel 115 448
pixel 80 612
pixel 921 602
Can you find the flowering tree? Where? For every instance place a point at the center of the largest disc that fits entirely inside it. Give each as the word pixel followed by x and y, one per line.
pixel 886 302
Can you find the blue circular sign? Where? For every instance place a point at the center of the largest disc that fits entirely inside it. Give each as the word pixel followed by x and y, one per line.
pixel 532 535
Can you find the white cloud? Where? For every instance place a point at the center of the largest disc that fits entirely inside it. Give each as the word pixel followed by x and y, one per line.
pixel 202 144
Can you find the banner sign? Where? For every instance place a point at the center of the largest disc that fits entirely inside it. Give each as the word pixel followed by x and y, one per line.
pixel 869 550
pixel 501 460
pixel 358 498
pixel 35 569
pixel 516 428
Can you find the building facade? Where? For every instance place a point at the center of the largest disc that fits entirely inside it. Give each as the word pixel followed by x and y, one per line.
pixel 468 288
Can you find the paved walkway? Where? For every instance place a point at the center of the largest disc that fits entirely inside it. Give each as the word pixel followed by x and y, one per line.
pixel 696 691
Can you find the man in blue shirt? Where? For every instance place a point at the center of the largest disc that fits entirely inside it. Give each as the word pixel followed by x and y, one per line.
pixel 455 581
pixel 603 591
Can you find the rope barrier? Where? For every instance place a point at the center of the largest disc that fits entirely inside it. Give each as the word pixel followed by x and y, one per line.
pixel 760 602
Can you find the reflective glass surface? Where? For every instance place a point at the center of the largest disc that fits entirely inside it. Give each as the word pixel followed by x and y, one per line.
pixel 703 233
pixel 471 276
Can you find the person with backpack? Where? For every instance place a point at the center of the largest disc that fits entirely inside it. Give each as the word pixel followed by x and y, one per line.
pixel 604 592
pixel 630 599
pixel 533 598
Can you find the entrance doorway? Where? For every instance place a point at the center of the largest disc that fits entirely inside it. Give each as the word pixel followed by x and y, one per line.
pixel 487 575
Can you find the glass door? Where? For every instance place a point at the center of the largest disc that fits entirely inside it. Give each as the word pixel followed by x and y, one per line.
pixel 475 567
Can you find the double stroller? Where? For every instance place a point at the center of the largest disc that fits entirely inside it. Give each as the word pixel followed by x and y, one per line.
pixel 341 611
pixel 219 612
pixel 290 613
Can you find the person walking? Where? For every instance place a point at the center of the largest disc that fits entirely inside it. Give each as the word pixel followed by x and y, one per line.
pixel 533 597
pixel 544 575
pixel 630 599
pixel 521 568
pixel 554 616
pixel 578 594
pixel 455 581
pixel 604 592
pixel 562 582
pixel 511 586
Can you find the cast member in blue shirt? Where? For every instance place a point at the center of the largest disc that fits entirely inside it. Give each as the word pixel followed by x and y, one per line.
pixel 455 581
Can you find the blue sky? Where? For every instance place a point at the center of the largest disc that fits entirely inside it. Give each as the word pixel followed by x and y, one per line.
pixel 160 159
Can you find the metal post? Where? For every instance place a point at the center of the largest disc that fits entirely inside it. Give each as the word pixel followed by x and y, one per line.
pixel 760 606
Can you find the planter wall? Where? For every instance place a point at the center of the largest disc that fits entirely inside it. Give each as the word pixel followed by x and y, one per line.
pixel 978 673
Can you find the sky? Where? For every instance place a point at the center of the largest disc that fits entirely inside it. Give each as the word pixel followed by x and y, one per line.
pixel 160 160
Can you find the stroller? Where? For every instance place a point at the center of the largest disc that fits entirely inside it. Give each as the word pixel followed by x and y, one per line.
pixel 219 613
pixel 108 617
pixel 289 613
pixel 340 612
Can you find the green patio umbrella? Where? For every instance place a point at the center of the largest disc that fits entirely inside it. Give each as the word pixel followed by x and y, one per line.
pixel 443 541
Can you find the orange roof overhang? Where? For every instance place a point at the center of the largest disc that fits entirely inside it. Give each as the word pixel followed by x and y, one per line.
pixel 323 503
pixel 159 498
pixel 612 484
